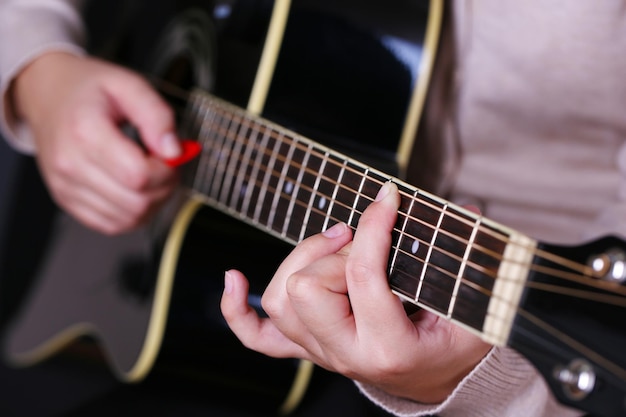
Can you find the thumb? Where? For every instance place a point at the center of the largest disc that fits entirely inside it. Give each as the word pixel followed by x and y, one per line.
pixel 148 112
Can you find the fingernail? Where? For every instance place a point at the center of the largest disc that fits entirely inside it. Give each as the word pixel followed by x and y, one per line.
pixel 170 146
pixel 335 231
pixel 382 193
pixel 228 283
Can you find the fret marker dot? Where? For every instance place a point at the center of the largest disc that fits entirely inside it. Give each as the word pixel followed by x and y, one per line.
pixel 289 187
pixel 244 188
pixel 415 246
pixel 322 203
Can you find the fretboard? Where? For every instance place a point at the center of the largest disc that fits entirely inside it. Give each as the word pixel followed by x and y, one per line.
pixel 443 257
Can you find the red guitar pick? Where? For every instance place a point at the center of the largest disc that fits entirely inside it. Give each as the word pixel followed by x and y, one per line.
pixel 190 149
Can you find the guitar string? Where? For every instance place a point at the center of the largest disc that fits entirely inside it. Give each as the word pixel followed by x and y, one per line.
pixel 584 269
pixel 242 113
pixel 553 272
pixel 453 215
pixel 586 351
pixel 578 293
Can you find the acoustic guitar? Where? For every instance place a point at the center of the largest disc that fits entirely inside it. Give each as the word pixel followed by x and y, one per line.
pixel 317 74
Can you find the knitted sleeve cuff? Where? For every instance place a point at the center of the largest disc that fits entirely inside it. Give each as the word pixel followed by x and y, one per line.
pixel 502 384
pixel 28 29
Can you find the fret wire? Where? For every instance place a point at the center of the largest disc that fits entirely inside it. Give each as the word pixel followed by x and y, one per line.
pixel 464 261
pixel 281 183
pixel 429 252
pixel 240 130
pixel 443 270
pixel 217 144
pixel 356 198
pixel 295 190
pixel 314 192
pixel 255 169
pixel 402 233
pixel 230 161
pixel 450 255
pixel 189 128
pixel 223 157
pixel 210 139
pixel 468 283
pixel 334 196
pixel 193 128
pixel 200 181
pixel 266 177
pixel 243 166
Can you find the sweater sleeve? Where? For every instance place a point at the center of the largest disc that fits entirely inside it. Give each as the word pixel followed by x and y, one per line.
pixel 503 384
pixel 29 28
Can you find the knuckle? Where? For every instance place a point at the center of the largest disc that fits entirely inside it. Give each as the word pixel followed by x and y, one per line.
pixel 136 178
pixel 142 206
pixel 343 365
pixel 135 214
pixel 80 127
pixel 385 365
pixel 272 306
pixel 163 112
pixel 369 217
pixel 107 228
pixel 344 369
pixel 299 286
pixel 357 269
pixel 63 165
pixel 124 225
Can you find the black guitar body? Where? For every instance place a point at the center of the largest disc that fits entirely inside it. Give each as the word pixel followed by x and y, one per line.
pixel 345 76
pixel 345 73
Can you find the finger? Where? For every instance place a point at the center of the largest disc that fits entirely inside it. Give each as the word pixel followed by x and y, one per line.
pixel 315 247
pixel 366 269
pixel 123 160
pixel 253 331
pixel 319 297
pixel 275 300
pixel 140 104
pixel 115 208
pixel 96 212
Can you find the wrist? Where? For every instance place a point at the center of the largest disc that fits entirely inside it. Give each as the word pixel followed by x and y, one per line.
pixel 33 81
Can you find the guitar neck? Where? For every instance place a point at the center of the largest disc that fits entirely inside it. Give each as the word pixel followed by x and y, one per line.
pixel 443 258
